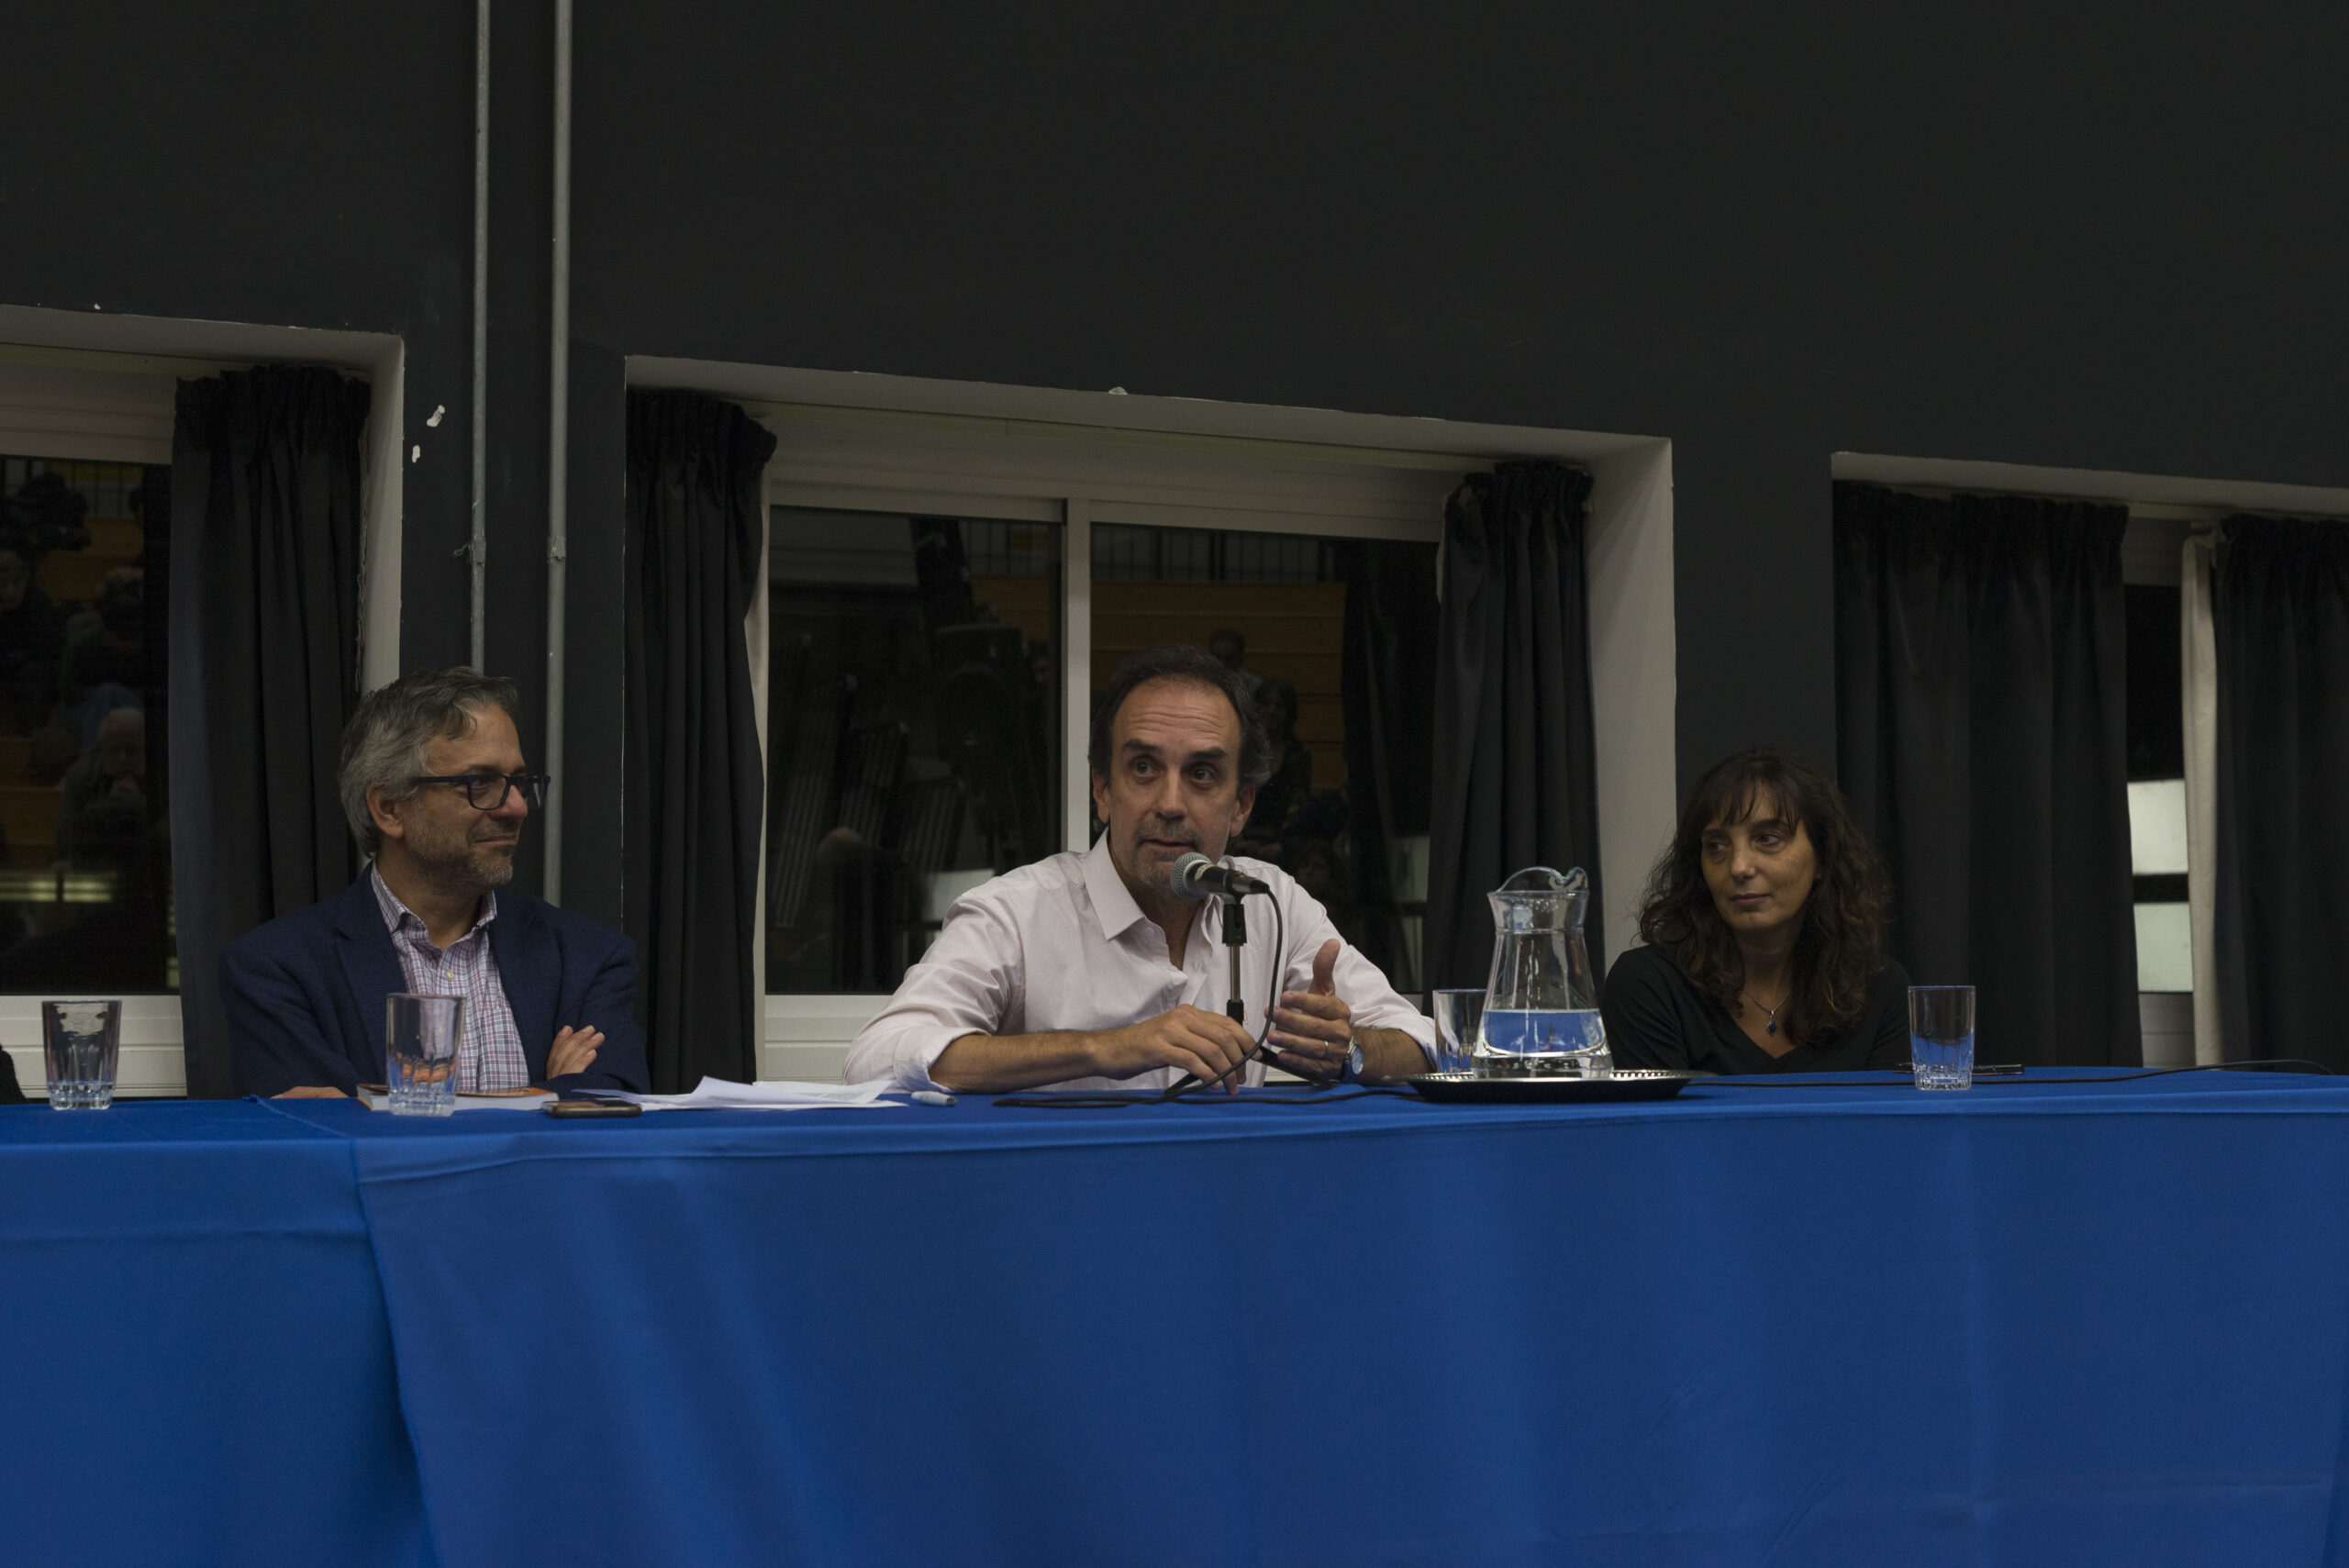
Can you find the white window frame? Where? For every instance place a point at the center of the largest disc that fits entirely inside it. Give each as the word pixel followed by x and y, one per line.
pixel 911 445
pixel 100 388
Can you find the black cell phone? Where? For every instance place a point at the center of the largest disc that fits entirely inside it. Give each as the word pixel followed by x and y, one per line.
pixel 590 1110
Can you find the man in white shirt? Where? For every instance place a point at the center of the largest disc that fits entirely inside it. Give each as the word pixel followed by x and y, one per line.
pixel 1089 971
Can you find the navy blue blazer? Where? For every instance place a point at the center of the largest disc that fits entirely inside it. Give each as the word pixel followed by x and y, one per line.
pixel 305 993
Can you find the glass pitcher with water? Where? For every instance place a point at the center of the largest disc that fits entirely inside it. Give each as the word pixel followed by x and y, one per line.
pixel 1541 1003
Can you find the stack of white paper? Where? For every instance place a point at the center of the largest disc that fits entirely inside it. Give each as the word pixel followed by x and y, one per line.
pixel 717 1094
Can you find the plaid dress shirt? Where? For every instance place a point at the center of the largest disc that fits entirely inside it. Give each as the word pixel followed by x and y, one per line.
pixel 490 1056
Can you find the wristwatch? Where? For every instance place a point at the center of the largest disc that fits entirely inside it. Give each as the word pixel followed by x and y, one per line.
pixel 1352 1072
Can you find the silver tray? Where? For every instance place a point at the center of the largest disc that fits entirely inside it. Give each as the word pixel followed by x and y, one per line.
pixel 1469 1089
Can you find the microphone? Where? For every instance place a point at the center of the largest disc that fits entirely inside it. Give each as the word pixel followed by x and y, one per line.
pixel 1195 877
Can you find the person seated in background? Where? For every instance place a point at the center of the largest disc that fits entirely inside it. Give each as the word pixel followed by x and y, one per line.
pixel 32 636
pixel 1090 971
pixel 112 776
pixel 433 785
pixel 1290 781
pixel 1763 924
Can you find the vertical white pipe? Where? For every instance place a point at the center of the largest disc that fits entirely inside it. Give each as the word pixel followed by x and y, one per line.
pixel 477 548
pixel 558 447
pixel 1077 676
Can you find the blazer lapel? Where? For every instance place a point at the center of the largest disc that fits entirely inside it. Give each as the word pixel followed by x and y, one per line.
pixel 529 965
pixel 370 972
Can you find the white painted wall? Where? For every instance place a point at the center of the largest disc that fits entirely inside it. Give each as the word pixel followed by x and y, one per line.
pixel 1634 676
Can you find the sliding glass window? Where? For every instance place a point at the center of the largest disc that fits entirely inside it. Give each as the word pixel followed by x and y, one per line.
pixel 1337 638
pixel 914 748
pixel 86 855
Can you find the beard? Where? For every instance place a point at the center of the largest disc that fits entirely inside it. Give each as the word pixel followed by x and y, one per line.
pixel 465 862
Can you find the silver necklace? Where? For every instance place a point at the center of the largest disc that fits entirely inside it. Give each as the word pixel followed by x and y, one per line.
pixel 1773 1012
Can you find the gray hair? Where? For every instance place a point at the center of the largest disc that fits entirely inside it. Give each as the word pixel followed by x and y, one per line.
pixel 385 741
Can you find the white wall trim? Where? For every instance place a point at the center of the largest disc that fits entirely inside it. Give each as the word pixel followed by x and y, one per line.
pixel 150 1065
pixel 2144 493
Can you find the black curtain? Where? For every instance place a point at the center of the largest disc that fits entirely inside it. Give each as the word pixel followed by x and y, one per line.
pixel 697 517
pixel 1981 703
pixel 1513 782
pixel 263 614
pixel 1388 692
pixel 2280 617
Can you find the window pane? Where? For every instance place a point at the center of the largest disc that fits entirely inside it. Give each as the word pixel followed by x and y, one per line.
pixel 1339 637
pixel 85 851
pixel 914 731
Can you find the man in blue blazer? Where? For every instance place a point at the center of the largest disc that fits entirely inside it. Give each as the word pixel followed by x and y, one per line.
pixel 434 785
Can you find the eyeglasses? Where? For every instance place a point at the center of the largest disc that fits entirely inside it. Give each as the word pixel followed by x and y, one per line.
pixel 488 792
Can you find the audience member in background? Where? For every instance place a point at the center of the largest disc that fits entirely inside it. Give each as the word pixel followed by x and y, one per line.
pixel 10 1093
pixel 1292 778
pixel 1089 970
pixel 434 787
pixel 110 777
pixel 46 514
pixel 1763 924
pixel 114 649
pixel 32 635
pixel 1231 649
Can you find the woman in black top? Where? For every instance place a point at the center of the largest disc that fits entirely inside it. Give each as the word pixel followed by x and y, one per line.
pixel 1763 928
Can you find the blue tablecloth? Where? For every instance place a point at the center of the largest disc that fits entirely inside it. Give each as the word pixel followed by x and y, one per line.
pixel 2031 1324
pixel 195 1365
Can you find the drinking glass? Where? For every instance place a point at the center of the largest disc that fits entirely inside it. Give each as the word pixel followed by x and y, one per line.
pixel 420 1036
pixel 1457 1014
pixel 1941 1035
pixel 81 1041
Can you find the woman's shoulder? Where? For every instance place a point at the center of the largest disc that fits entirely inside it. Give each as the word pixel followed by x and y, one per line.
pixel 1646 968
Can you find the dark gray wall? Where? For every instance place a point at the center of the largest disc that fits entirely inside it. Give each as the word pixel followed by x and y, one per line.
pixel 2102 237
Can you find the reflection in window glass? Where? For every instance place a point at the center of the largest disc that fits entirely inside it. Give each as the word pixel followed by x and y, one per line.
pixel 2158 789
pixel 1337 638
pixel 914 731
pixel 85 855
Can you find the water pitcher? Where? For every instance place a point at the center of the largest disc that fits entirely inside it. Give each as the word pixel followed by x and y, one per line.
pixel 1541 1003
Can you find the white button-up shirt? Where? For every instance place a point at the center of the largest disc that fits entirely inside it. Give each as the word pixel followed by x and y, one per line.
pixel 1061 945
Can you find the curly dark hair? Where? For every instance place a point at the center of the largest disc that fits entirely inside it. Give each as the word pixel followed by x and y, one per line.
pixel 1841 942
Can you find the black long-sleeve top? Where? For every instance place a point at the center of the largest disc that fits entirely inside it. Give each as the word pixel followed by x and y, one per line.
pixel 1656 1018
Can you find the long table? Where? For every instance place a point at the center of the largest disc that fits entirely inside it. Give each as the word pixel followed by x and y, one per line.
pixel 2035 1323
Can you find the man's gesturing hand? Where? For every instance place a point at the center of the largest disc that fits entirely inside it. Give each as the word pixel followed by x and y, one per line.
pixel 1312 1029
pixel 574 1052
pixel 1207 1045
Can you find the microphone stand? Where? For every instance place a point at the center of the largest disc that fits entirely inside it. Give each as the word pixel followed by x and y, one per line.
pixel 1235 1007
pixel 1235 937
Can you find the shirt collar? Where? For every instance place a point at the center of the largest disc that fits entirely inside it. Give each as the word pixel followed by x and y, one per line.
pixel 396 913
pixel 1113 901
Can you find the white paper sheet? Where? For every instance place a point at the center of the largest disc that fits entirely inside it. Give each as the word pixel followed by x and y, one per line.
pixel 381 1101
pixel 717 1094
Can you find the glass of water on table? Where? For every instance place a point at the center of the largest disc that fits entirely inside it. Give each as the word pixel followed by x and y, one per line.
pixel 1941 1035
pixel 420 1036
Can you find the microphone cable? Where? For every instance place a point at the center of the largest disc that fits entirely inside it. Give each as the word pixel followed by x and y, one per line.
pixel 1190 1081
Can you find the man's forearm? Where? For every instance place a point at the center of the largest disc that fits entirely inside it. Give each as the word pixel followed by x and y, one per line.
pixel 999 1065
pixel 1390 1053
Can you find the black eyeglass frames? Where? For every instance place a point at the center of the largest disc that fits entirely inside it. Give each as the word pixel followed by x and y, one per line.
pixel 488 792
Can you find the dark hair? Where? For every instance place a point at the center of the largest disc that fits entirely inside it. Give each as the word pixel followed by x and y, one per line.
pixel 1272 689
pixel 1173 663
pixel 1841 942
pixel 383 743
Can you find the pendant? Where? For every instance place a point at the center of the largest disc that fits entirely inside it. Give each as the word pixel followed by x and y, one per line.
pixel 1773 1026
